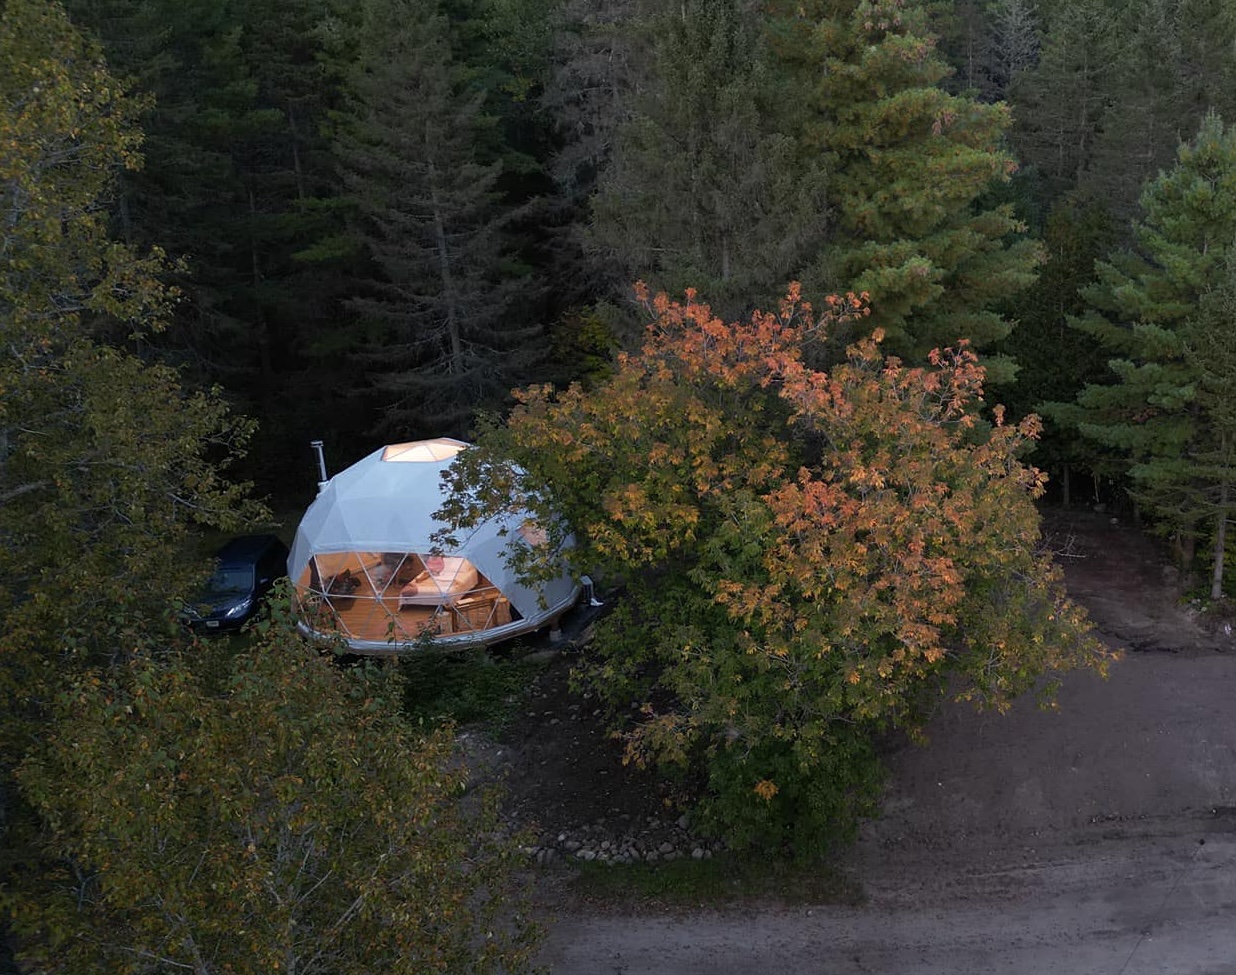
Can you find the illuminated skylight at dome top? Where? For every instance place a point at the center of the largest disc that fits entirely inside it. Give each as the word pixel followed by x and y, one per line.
pixel 423 451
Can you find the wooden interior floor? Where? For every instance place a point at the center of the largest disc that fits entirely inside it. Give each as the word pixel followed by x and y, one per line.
pixel 382 620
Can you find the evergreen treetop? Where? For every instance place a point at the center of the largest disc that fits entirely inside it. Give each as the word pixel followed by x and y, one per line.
pixel 910 166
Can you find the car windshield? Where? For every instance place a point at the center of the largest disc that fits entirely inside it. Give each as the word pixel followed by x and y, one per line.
pixel 230 579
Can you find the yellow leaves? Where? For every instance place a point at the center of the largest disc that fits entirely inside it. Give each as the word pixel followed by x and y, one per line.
pixel 867 478
pixel 765 789
pixel 665 454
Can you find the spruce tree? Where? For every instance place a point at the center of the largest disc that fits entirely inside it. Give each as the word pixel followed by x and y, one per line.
pixel 701 190
pixel 1174 65
pixel 441 311
pixel 1014 41
pixel 598 63
pixel 964 28
pixel 1055 361
pixel 239 184
pixel 1146 308
pixel 988 43
pixel 910 165
pixel 1059 104
pixel 1119 85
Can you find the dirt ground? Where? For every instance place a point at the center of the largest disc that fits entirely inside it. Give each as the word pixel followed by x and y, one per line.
pixel 1097 838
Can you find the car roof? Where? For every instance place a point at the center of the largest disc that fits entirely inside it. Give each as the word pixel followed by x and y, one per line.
pixel 248 548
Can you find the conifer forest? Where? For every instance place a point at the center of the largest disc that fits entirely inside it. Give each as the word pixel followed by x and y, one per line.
pixel 389 213
pixel 381 217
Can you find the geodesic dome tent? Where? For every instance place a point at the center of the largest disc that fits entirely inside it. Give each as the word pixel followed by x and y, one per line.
pixel 364 567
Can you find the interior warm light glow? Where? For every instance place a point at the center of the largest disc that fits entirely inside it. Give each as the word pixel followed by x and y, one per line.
pixel 532 533
pixel 423 451
pixel 366 568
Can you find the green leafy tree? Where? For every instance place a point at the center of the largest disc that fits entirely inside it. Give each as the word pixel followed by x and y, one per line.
pixel 443 311
pixel 1144 303
pixel 909 166
pixel 808 558
pixel 105 462
pixel 286 818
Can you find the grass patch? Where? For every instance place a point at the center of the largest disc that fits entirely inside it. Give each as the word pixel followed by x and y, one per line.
pixel 465 686
pixel 725 880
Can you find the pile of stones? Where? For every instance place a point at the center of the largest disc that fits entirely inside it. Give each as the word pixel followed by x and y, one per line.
pixel 623 841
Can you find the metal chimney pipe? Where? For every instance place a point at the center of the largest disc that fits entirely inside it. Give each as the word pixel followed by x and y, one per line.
pixel 322 478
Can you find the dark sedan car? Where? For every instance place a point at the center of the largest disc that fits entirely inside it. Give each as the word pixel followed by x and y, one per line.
pixel 245 570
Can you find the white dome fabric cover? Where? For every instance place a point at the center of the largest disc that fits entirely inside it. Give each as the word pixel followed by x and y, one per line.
pixel 387 505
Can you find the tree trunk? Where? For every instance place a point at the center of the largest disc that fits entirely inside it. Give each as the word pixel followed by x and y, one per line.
pixel 126 217
pixel 296 168
pixel 1186 549
pixel 452 324
pixel 266 364
pixel 1216 574
pixel 255 262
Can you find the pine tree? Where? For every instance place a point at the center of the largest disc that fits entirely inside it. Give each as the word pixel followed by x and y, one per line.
pixel 910 164
pixel 1174 64
pixel 240 185
pixel 701 191
pixel 1210 350
pixel 1055 361
pixel 1144 304
pixel 1059 104
pixel 442 311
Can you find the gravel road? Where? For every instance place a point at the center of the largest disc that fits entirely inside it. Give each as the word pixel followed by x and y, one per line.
pixel 1134 906
pixel 1097 839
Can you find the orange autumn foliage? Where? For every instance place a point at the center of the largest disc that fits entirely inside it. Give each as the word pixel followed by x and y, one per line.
pixel 810 555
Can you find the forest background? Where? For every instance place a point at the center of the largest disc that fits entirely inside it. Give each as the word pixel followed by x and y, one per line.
pixel 391 213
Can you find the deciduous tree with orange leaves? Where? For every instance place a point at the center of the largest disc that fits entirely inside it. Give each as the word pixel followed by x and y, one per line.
pixel 808 558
